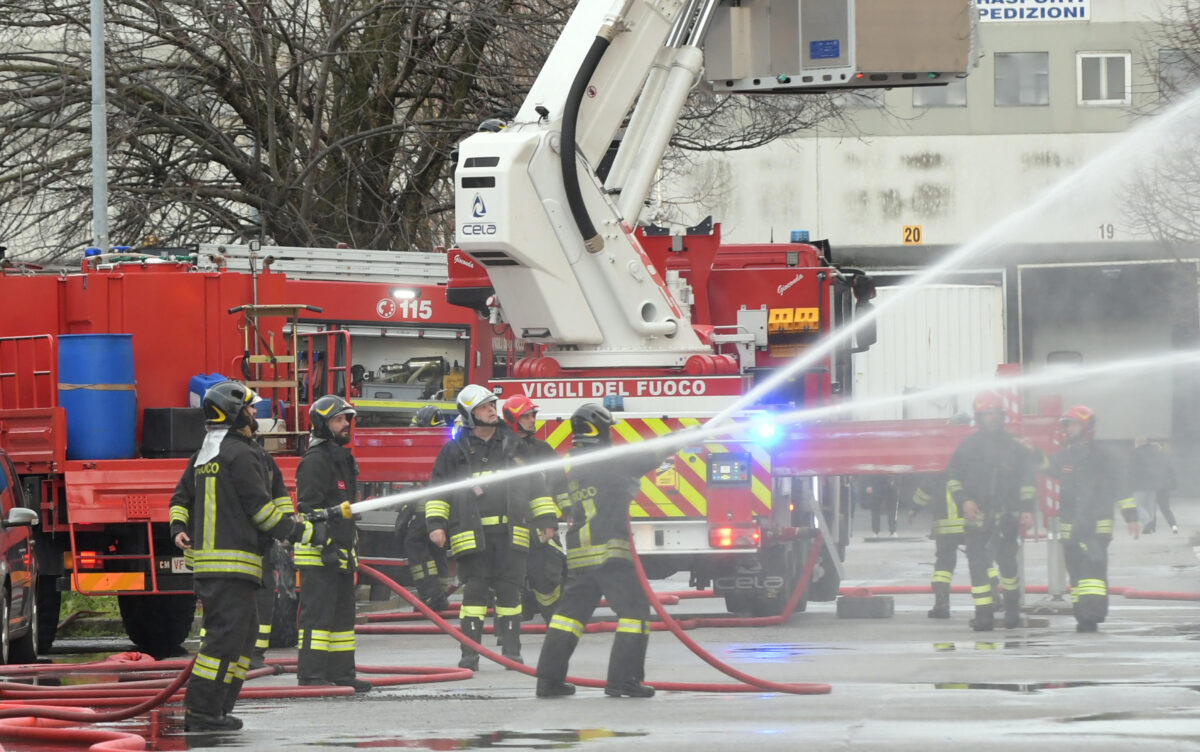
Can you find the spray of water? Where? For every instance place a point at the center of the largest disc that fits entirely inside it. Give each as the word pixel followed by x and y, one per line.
pixel 1132 148
pixel 667 444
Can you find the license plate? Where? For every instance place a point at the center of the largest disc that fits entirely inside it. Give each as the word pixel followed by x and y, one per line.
pixel 179 565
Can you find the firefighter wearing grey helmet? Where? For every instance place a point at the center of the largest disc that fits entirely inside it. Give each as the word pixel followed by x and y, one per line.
pixel 326 478
pixel 487 526
pixel 599 563
pixel 225 404
pixel 223 505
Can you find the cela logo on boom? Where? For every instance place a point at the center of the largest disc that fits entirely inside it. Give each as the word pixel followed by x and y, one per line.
pixel 478 210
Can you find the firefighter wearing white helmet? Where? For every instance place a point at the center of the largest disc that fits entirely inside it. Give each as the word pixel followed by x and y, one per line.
pixel 487 526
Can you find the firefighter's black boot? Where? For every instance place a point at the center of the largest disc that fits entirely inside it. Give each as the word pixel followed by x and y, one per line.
pixel 626 666
pixel 552 664
pixel 472 628
pixel 941 601
pixel 509 628
pixel 196 721
pixel 984 620
pixel 1012 609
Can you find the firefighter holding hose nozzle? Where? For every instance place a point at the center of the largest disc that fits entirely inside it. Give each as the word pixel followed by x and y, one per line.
pixel 599 563
pixel 221 506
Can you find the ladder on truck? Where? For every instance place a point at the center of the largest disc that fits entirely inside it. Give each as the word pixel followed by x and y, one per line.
pixel 263 368
pixel 326 263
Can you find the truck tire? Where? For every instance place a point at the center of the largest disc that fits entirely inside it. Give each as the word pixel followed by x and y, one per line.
pixel 158 624
pixel 24 648
pixel 780 561
pixel 49 605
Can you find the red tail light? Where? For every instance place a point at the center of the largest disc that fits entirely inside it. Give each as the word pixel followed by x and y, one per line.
pixel 732 536
pixel 88 560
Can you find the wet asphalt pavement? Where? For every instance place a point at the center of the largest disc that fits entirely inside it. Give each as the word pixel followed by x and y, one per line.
pixel 903 683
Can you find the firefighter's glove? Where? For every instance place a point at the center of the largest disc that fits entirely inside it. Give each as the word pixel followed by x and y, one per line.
pixel 334 556
pixel 302 532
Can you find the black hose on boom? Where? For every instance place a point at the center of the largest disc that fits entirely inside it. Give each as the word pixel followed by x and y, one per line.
pixel 570 174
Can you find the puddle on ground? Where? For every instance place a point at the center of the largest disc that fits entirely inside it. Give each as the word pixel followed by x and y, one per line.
pixel 496 739
pixel 1035 687
pixel 949 647
pixel 773 652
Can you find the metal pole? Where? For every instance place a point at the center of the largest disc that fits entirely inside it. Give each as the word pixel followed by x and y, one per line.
pixel 99 133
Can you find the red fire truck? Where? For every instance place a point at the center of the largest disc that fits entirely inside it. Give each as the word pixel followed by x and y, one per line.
pixel 388 339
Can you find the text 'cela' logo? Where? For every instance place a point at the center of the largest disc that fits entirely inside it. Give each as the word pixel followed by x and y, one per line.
pixel 478 209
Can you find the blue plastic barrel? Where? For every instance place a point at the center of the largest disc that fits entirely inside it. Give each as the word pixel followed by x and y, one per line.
pixel 96 388
pixel 199 384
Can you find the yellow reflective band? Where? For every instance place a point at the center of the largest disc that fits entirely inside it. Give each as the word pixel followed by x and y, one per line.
pixel 508 610
pixel 490 521
pixel 437 509
pixel 262 643
pixel 1028 493
pixel 264 629
pixel 179 514
pixel 547 599
pixel 1127 503
pixel 631 626
pixel 227 561
pixel 464 541
pixel 948 527
pixel 318 639
pixel 208 538
pixel 993 573
pixel 953 486
pixel 543 506
pixel 520 536
pixel 981 588
pixel 560 622
pixel 1010 583
pixel 341 642
pixel 472 612
pixel 1104 527
pixel 921 498
pixel 983 600
pixel 267 517
pixel 284 505
pixel 942 575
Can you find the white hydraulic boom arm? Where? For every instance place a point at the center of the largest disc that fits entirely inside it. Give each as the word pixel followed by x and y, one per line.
pixel 557 243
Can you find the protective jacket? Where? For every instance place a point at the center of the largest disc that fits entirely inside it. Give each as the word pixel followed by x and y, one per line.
pixel 598 507
pixel 226 505
pixel 1091 481
pixel 464 513
pixel 528 450
pixel 993 469
pixel 327 476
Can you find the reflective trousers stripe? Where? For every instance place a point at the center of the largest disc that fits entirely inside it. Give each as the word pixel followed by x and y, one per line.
pixel 560 622
pixel 982 594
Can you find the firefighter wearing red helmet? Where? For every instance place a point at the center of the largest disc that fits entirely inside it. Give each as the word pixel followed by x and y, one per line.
pixel 990 479
pixel 327 478
pixel 488 526
pixel 547 562
pixel 221 508
pixel 1091 482
pixel 599 563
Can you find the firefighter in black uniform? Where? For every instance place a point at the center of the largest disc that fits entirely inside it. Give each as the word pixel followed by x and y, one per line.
pixel 325 479
pixel 1090 482
pixel 221 507
pixel 990 478
pixel 599 563
pixel 547 562
pixel 426 563
pixel 487 526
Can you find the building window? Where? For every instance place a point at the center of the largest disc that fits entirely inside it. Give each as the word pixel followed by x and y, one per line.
pixel 1178 72
pixel 1103 78
pixel 953 94
pixel 1022 79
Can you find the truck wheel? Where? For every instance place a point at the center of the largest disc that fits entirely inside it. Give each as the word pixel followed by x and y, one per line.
pixel 158 623
pixel 739 603
pixel 781 570
pixel 24 648
pixel 49 604
pixel 5 637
